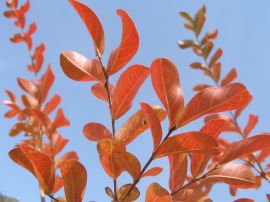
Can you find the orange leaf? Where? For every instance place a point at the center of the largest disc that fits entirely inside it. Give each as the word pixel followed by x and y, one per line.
pixel 136 125
pixel 126 88
pixel 135 193
pixel 79 68
pixel 152 172
pixel 129 163
pixel 60 119
pixel 244 200
pixel 43 167
pixel 92 23
pixel 108 150
pixel 52 104
pixel 185 143
pixel 215 57
pixel 215 99
pixel 32 28
pixel 96 132
pixel 165 80
pixel 128 46
pixel 239 111
pixel 178 170
pixel 154 124
pixel 44 121
pixel 47 81
pixel 245 147
pixel 100 91
pixel 234 174
pixel 17 38
pixel 28 86
pixel 157 193
pixel 229 77
pixel 252 122
pixel 72 155
pixel 190 195
pixel 74 177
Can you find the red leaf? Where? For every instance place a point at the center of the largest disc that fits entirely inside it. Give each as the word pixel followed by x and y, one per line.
pixel 74 177
pixel 32 28
pixel 152 172
pixel 12 3
pixel 215 57
pixel 100 91
pixel 129 163
pixel 47 81
pixel 17 38
pixel 239 111
pixel 185 143
pixel 252 122
pixel 96 132
pixel 56 145
pixel 215 99
pixel 245 147
pixel 178 171
pixel 128 46
pixel 126 88
pixel 28 86
pixel 52 104
pixel 43 167
pixel 79 68
pixel 234 174
pixel 136 125
pixel 154 124
pixel 25 7
pixel 58 184
pixel 11 96
pixel 44 121
pixel 244 200
pixel 229 77
pixel 92 23
pixel 165 80
pixel 157 193
pixel 60 119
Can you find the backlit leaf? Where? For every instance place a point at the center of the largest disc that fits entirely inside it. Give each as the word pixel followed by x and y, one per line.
pixel 130 163
pixel 28 86
pixel 47 81
pixel 234 174
pixel 126 89
pixel 96 132
pixel 229 77
pixel 190 195
pixel 128 46
pixel 43 167
pixel 52 104
pixel 245 147
pixel 100 91
pixel 152 172
pixel 92 23
pixel 79 68
pixel 154 124
pixel 157 193
pixel 187 142
pixel 215 99
pixel 136 125
pixel 165 80
pixel 178 171
pixel 252 122
pixel 74 177
pixel 72 155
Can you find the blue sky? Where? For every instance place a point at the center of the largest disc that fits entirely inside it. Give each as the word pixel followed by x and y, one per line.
pixel 244 32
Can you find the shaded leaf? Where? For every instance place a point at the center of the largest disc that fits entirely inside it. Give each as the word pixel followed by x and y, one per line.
pixel 190 195
pixel 154 124
pixel 165 80
pixel 136 125
pixel 93 25
pixel 126 89
pixel 157 193
pixel 129 163
pixel 215 57
pixel 96 132
pixel 74 178
pixel 215 99
pixel 122 192
pixel 200 87
pixel 128 46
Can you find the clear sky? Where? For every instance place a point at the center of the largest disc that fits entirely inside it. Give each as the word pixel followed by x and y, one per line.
pixel 244 30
